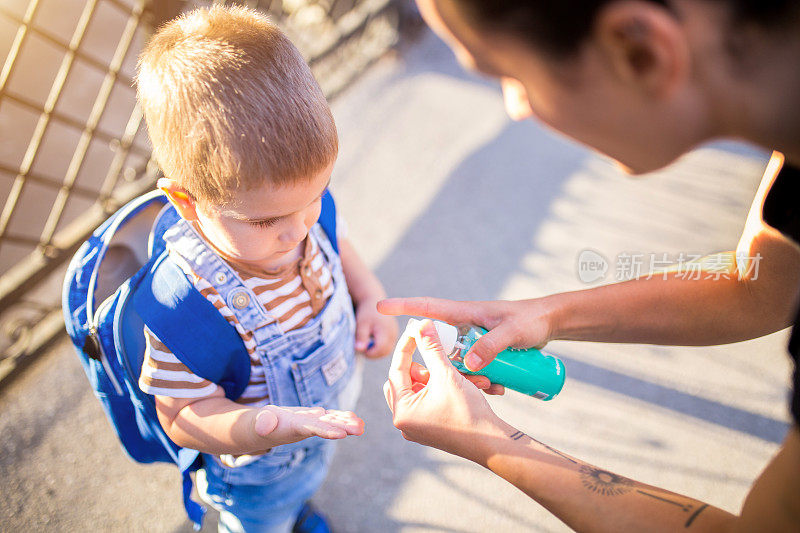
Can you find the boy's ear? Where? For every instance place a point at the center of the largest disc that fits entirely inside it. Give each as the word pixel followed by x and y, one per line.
pixel 645 46
pixel 179 197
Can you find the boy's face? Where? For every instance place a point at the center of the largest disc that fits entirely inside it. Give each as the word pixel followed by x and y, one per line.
pixel 260 227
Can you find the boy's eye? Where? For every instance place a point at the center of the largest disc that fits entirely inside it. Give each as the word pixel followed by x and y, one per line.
pixel 264 223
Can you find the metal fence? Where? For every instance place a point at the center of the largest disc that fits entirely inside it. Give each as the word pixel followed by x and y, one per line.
pixel 73 146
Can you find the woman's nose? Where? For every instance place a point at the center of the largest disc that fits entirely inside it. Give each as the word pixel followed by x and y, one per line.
pixel 515 97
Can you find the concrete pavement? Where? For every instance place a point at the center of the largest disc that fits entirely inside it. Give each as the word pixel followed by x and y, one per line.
pixel 445 196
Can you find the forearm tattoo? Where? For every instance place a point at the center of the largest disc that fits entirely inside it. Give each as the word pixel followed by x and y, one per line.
pixel 608 483
pixel 519 435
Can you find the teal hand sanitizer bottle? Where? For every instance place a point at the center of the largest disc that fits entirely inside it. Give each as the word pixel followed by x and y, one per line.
pixel 527 371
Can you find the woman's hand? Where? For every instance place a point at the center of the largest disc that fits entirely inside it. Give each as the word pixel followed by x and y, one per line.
pixel 436 406
pixel 519 324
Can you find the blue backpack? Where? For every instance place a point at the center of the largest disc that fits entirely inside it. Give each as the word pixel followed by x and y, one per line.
pixel 122 279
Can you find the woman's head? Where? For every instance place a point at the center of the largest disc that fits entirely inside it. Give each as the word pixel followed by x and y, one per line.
pixel 561 27
pixel 638 80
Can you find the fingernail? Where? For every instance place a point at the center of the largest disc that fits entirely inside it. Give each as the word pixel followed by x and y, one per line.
pixel 412 324
pixel 428 331
pixel 473 362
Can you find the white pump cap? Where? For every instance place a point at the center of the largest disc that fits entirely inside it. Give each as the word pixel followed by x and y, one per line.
pixel 448 334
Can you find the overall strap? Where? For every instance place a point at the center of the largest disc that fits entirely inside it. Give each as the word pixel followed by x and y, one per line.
pixel 183 319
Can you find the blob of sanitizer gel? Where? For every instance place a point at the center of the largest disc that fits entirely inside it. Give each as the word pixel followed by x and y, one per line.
pixel 528 371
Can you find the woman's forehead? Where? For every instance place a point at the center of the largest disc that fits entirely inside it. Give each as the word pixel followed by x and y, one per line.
pixel 445 19
pixel 475 48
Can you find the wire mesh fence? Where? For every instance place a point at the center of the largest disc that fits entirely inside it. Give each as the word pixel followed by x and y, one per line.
pixel 73 146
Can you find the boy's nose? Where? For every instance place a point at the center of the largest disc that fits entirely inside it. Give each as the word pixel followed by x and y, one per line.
pixel 296 230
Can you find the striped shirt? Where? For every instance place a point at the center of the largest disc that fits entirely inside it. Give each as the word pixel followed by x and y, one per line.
pixel 293 295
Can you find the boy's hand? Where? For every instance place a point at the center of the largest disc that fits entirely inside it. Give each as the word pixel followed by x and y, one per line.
pixel 375 333
pixel 284 425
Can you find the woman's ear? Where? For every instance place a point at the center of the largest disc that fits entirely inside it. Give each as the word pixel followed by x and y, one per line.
pixel 179 197
pixel 645 46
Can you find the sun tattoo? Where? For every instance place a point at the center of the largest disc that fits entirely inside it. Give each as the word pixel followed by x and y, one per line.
pixel 604 482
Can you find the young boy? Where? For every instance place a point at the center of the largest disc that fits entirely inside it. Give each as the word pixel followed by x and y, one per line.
pixel 247 143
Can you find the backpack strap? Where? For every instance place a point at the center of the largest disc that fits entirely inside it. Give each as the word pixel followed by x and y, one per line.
pixel 327 219
pixel 195 331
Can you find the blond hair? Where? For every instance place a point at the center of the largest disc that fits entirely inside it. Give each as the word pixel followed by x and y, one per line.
pixel 230 104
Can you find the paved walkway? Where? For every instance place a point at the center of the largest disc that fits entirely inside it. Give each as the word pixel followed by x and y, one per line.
pixel 445 196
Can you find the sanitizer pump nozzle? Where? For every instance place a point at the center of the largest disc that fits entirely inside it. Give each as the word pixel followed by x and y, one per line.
pixel 527 371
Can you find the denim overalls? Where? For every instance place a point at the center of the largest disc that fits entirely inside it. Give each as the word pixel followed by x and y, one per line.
pixel 310 366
